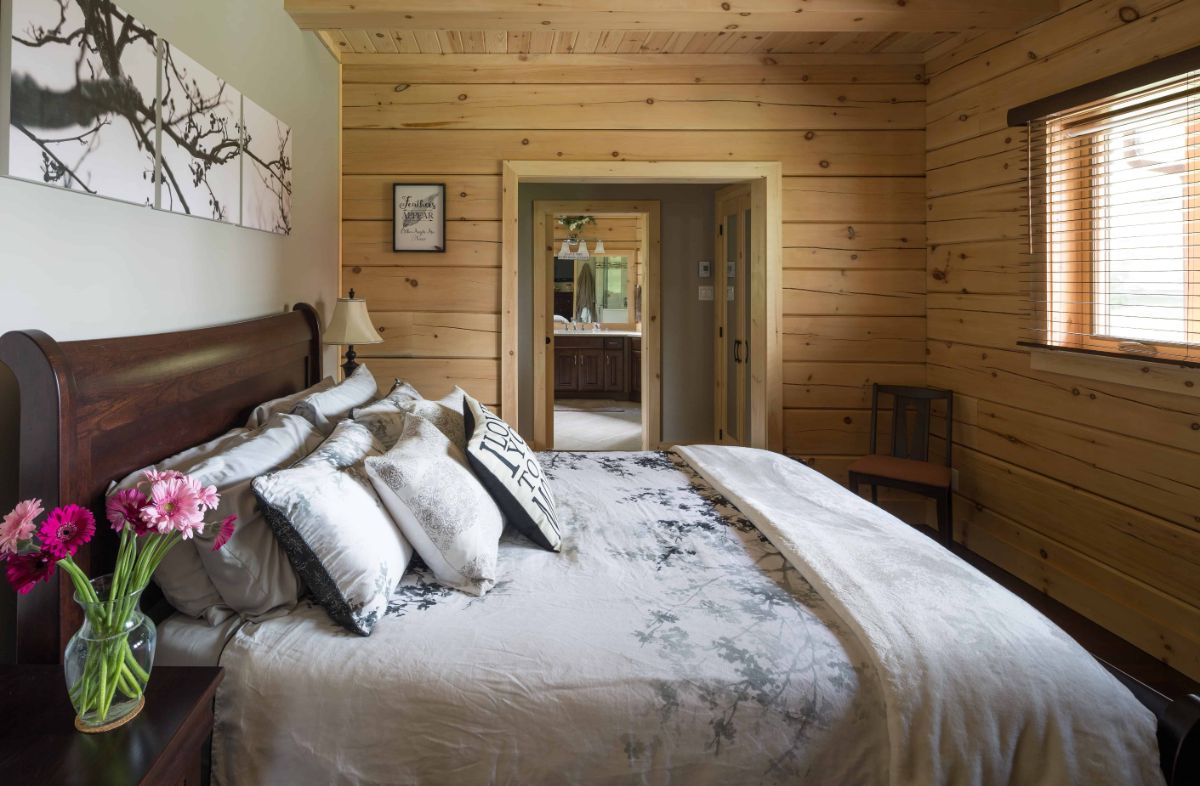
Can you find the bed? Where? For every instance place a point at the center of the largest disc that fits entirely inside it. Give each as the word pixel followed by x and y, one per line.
pixel 716 616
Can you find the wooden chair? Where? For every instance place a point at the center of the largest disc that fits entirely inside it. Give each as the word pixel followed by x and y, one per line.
pixel 908 467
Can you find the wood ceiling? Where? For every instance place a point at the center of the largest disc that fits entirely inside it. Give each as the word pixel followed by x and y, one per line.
pixel 588 27
pixel 587 42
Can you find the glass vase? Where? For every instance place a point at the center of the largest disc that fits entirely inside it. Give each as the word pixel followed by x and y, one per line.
pixel 107 662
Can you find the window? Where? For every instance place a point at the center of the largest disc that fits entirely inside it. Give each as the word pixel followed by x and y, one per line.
pixel 1115 223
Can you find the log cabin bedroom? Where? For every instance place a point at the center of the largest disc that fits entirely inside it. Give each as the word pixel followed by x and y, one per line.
pixel 600 392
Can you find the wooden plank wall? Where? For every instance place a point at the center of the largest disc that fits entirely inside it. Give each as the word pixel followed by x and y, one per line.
pixel 1088 490
pixel 849 130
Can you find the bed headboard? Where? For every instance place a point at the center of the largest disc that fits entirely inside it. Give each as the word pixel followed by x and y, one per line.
pixel 94 411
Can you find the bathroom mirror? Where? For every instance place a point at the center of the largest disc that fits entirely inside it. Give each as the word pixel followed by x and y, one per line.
pixel 600 289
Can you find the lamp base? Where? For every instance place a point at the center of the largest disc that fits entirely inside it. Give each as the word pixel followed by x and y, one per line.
pixel 350 365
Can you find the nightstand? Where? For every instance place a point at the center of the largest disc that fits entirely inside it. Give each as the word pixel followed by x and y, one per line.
pixel 165 745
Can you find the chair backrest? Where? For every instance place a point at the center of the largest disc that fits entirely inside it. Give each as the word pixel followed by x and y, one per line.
pixel 910 419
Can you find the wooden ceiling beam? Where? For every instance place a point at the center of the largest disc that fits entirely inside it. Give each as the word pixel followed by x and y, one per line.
pixel 671 15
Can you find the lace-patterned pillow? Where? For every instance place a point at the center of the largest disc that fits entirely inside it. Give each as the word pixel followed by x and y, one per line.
pixel 385 420
pixel 334 529
pixel 440 507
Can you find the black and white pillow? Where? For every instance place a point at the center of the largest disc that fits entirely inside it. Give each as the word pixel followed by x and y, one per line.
pixel 334 529
pixel 442 509
pixel 511 473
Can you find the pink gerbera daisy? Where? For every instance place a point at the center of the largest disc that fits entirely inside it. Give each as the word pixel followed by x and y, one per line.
pixel 155 475
pixel 206 495
pixel 26 570
pixel 66 529
pixel 18 525
pixel 125 508
pixel 224 533
pixel 173 507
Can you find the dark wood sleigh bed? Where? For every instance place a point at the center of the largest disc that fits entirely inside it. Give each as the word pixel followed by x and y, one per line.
pixel 94 411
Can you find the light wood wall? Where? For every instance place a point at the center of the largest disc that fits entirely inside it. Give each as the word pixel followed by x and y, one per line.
pixel 848 129
pixel 1088 490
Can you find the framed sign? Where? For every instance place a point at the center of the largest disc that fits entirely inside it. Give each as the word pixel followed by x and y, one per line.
pixel 419 217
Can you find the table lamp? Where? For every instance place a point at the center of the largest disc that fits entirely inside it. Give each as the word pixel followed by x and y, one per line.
pixel 350 325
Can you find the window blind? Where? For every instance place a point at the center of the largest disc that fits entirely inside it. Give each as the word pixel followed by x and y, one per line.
pixel 1114 224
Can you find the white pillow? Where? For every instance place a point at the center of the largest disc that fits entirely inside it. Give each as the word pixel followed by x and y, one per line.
pixel 181 575
pixel 263 412
pixel 440 507
pixel 385 419
pixel 251 572
pixel 454 399
pixel 335 530
pixel 326 407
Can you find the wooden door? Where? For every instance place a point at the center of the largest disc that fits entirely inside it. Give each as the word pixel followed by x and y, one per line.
pixel 614 371
pixel 731 403
pixel 565 376
pixel 590 370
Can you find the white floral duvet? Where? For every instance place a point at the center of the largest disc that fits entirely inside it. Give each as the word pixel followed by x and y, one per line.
pixel 672 643
pixel 669 642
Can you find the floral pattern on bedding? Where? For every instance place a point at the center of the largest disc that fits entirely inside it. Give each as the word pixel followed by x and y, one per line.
pixel 720 663
pixel 706 589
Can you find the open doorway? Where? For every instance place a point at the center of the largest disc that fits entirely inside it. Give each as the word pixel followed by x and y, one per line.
pixel 595 269
pixel 523 354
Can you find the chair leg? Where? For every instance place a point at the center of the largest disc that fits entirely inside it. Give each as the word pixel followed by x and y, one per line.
pixel 854 483
pixel 874 494
pixel 945 519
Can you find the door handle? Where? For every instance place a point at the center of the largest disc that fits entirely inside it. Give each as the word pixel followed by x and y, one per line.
pixel 737 350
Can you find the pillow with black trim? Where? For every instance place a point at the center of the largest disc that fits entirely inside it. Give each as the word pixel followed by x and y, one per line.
pixel 511 473
pixel 334 529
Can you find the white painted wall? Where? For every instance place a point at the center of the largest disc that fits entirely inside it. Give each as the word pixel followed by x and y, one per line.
pixel 78 266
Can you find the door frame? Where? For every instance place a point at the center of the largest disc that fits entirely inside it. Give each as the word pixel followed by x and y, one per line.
pixel 648 214
pixel 766 280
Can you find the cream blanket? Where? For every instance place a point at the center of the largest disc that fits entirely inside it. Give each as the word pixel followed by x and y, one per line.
pixel 979 687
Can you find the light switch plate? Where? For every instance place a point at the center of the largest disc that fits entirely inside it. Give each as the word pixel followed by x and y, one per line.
pixel 704 268
pixel 706 293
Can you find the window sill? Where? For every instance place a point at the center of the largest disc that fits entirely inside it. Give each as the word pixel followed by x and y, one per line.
pixel 1135 372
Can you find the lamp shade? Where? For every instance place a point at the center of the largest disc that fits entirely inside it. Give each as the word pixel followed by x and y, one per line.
pixel 351 324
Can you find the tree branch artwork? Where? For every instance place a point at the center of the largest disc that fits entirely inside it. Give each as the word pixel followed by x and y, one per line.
pixel 266 170
pixel 201 172
pixel 87 114
pixel 83 91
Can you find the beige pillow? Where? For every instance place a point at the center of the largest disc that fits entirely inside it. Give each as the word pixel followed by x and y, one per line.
pixel 181 575
pixel 326 407
pixel 252 572
pixel 263 412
